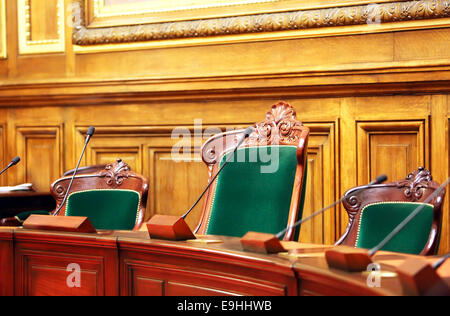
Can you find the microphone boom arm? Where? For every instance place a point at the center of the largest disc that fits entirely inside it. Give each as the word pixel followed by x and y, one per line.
pixel 90 133
pixel 246 134
pixel 378 180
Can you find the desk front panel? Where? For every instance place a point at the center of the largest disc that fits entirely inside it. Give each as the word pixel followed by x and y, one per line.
pixel 173 269
pixel 49 264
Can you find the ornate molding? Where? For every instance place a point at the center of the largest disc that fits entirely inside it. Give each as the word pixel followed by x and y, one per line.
pixel 294 20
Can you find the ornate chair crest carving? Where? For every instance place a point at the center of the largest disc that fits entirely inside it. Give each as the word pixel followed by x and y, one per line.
pixel 116 173
pixel 280 127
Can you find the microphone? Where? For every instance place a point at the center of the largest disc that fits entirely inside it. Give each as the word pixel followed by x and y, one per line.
pixel 246 134
pixel 13 162
pixel 268 243
pixel 380 179
pixel 174 227
pixel 356 259
pixel 89 133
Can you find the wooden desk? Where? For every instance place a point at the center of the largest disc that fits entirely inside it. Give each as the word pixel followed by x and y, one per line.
pixel 129 263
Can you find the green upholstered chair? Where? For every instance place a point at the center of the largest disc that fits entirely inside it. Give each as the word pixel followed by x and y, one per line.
pixel 374 212
pixel 107 209
pixel 262 188
pixel 21 217
pixel 113 198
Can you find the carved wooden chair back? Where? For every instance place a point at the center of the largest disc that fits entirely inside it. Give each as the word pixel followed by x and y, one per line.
pixel 263 187
pixel 103 197
pixel 375 211
pixel 85 170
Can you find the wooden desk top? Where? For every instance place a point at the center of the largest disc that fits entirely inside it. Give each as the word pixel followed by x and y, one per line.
pixel 157 267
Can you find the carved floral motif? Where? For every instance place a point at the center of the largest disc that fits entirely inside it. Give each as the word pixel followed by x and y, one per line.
pixel 280 127
pixel 116 173
pixel 353 205
pixel 60 192
pixel 416 183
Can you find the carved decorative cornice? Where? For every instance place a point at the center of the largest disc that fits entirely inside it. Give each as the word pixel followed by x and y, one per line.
pixel 294 20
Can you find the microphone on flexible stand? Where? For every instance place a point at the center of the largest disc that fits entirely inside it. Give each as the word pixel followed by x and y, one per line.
pixel 357 259
pixel 268 243
pixel 90 132
pixel 174 227
pixel 378 180
pixel 64 223
pixel 13 162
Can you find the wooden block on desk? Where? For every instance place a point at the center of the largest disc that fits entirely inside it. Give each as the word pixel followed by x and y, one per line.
pixel 59 223
pixel 348 258
pixel 418 278
pixel 444 270
pixel 169 228
pixel 261 243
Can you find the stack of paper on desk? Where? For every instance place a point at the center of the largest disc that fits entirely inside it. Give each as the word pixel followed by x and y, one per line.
pixel 20 187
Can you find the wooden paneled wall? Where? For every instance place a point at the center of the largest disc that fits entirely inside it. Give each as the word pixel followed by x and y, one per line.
pixel 376 98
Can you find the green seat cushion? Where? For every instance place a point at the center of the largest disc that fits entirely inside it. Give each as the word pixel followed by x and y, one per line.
pixel 252 194
pixel 106 209
pixel 378 220
pixel 23 216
